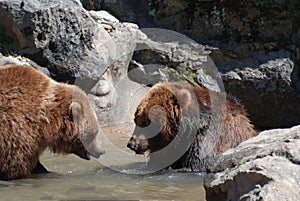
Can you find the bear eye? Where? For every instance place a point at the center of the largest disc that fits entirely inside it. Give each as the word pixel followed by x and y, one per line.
pixel 142 121
pixel 146 122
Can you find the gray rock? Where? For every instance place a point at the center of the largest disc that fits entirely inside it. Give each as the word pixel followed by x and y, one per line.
pixel 229 20
pixel 103 16
pixel 60 35
pixel 102 88
pixel 262 168
pixel 152 73
pixel 264 81
pixel 124 36
pixel 119 105
pixel 169 56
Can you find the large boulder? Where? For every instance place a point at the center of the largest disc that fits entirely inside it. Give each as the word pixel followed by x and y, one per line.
pixel 264 168
pixel 265 79
pixel 59 35
pixel 164 55
pixel 113 91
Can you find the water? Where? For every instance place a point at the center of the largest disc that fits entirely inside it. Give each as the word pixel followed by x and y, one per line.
pixel 72 178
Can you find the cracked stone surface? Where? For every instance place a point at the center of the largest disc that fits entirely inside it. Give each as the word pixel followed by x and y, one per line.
pixel 263 168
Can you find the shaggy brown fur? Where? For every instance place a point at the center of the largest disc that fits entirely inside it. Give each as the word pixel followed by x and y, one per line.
pixel 35 113
pixel 206 121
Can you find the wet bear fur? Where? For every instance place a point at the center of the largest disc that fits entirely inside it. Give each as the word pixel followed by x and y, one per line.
pixel 187 126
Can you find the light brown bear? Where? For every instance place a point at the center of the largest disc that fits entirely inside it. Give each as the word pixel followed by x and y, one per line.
pixel 36 113
pixel 185 126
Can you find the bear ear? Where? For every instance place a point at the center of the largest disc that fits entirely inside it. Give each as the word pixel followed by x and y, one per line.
pixel 184 97
pixel 76 109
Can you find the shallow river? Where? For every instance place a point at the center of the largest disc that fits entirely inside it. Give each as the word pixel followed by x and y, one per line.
pixel 114 176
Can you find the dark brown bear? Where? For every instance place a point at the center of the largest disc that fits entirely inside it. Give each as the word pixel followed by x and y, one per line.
pixel 38 113
pixel 185 126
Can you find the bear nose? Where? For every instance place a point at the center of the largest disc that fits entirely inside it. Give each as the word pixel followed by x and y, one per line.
pixel 131 144
pixel 97 153
pixel 101 152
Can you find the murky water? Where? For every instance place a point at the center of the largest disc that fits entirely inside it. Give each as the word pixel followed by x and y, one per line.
pixel 75 179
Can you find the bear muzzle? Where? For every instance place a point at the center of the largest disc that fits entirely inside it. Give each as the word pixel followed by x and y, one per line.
pixel 138 145
pixel 92 147
pixel 95 154
pixel 91 153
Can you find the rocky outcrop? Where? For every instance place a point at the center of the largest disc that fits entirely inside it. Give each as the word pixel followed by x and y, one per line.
pixel 228 20
pixel 59 35
pixel 262 168
pixel 265 79
pixel 165 55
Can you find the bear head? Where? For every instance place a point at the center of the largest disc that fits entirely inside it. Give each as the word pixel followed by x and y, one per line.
pixel 80 133
pixel 157 117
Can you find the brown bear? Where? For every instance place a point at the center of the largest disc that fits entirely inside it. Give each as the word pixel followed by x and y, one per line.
pixel 36 113
pixel 185 126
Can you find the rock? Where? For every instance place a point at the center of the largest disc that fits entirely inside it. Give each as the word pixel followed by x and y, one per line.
pixel 246 43
pixel 108 97
pixel 219 20
pixel 102 88
pixel 169 56
pixel 59 35
pixel 229 20
pixel 262 168
pixel 103 16
pixel 152 73
pixel 105 19
pixel 125 37
pixel 263 80
pixel 119 105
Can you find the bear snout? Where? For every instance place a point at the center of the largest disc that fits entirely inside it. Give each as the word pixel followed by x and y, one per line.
pixel 95 148
pixel 131 144
pixel 139 145
pixel 97 153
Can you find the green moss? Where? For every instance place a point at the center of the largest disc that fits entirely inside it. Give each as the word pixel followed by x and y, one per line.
pixel 188 74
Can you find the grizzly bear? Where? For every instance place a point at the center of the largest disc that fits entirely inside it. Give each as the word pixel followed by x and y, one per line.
pixel 185 126
pixel 36 113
